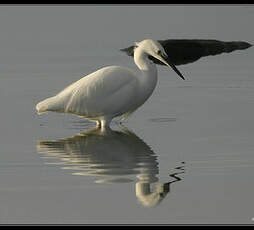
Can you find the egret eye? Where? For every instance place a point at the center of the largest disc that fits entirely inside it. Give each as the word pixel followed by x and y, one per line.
pixel 159 52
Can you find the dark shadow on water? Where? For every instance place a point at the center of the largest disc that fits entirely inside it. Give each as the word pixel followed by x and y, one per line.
pixel 114 157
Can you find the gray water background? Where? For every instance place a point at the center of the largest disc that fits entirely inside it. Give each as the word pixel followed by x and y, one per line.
pixel 202 128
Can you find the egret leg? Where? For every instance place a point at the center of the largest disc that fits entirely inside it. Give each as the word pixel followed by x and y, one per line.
pixel 105 123
pixel 98 124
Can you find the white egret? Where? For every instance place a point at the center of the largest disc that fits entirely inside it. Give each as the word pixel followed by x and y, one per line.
pixel 111 91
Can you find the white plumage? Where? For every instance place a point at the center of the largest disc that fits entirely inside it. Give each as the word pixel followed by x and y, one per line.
pixel 110 91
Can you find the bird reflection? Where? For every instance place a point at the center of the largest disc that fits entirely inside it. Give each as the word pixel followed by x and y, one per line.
pixel 115 156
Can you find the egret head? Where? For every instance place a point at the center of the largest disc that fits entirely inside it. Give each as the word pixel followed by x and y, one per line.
pixel 155 49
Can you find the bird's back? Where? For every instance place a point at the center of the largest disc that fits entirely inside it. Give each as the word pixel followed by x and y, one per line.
pixel 103 91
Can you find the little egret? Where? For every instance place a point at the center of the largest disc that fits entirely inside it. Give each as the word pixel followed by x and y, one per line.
pixel 111 91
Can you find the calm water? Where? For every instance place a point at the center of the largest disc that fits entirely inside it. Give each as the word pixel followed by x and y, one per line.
pixel 186 156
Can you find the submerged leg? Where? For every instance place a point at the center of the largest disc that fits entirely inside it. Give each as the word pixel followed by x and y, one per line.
pixel 105 122
pixel 98 124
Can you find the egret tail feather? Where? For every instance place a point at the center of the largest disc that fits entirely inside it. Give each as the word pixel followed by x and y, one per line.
pixel 46 105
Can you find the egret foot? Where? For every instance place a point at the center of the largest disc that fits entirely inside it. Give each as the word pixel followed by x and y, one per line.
pixel 98 124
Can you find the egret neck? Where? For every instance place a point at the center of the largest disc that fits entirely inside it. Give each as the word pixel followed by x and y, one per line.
pixel 148 78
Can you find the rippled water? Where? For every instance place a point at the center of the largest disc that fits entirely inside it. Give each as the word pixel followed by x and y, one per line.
pixel 186 156
pixel 115 157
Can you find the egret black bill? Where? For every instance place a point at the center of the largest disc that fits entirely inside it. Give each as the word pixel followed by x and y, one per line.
pixel 176 70
pixel 164 58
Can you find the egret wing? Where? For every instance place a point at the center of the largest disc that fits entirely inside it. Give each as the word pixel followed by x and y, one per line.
pixel 107 90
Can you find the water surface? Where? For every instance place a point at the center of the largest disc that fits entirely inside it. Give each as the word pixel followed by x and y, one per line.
pixel 186 156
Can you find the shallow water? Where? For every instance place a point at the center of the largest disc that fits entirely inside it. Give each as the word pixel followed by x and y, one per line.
pixel 186 156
